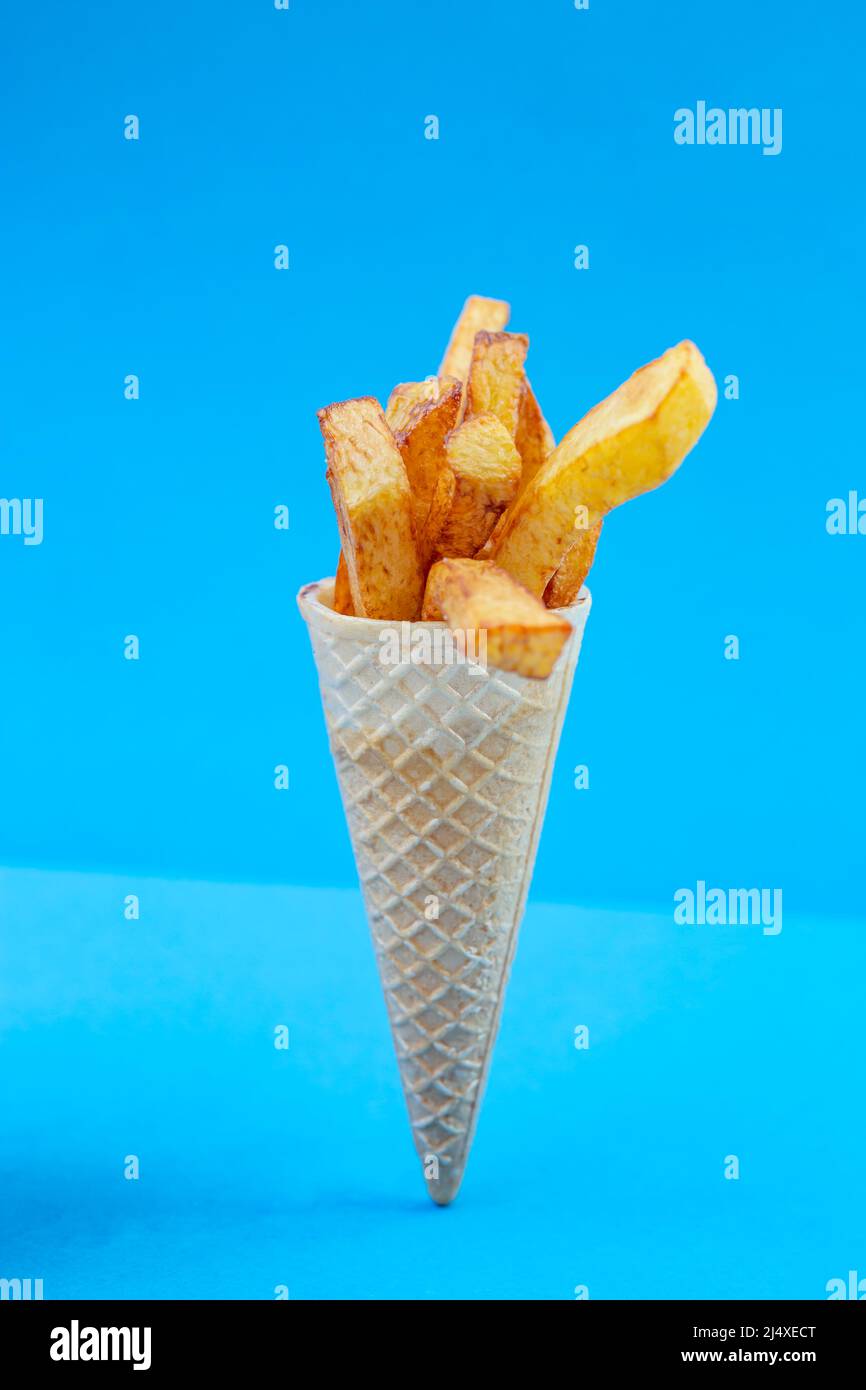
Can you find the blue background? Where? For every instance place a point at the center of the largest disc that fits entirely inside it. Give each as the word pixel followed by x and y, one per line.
pixel 155 257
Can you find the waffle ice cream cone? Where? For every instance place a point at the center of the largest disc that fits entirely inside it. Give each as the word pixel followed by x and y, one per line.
pixel 444 773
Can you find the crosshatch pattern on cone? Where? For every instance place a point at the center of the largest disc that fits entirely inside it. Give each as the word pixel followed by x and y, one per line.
pixel 444 776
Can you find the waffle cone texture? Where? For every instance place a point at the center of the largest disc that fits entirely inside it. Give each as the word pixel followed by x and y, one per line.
pixel 444 773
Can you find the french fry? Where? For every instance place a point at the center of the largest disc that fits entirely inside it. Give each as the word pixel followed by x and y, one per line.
pixel 485 551
pixel 566 584
pixel 375 513
pixel 476 315
pixel 630 443
pixel 422 443
pixel 534 440
pixel 434 522
pixel 342 592
pixel 508 627
pixel 496 380
pixel 409 395
pixel 481 457
pixel 534 437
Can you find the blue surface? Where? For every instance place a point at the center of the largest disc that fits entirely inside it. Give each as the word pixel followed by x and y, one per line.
pixel 306 127
pixel 259 1167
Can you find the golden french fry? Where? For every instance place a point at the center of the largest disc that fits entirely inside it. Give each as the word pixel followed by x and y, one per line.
pixel 375 514
pixel 476 315
pixel 632 442
pixel 564 587
pixel 534 440
pixel 496 379
pixel 405 397
pixel 440 507
pixel 422 444
pixel 534 437
pixel 342 592
pixel 485 551
pixel 481 457
pixel 505 626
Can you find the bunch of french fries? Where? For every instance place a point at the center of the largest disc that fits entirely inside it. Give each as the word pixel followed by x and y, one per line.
pixel 456 505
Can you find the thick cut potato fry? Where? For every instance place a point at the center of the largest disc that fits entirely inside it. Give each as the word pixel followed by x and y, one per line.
pixel 375 514
pixel 487 549
pixel 422 444
pixel 428 410
pixel 440 507
pixel 564 587
pixel 482 459
pixel 411 396
pixel 535 441
pixel 405 397
pixel 342 592
pixel 508 628
pixel 496 381
pixel 534 438
pixel 632 442
pixel 476 315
